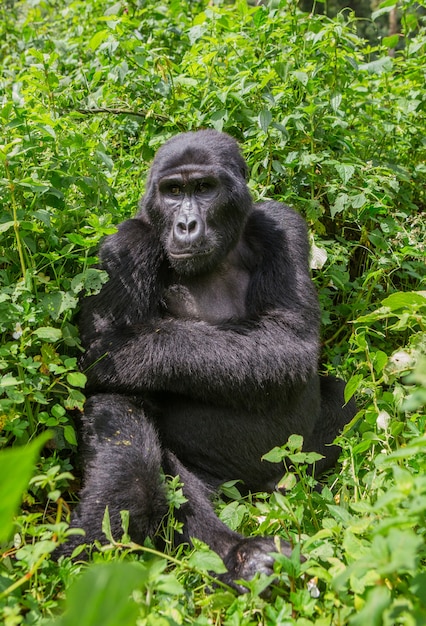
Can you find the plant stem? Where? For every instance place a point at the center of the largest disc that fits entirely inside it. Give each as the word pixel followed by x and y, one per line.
pixel 16 221
pixel 25 578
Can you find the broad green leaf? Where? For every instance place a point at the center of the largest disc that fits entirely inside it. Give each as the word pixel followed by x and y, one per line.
pixel 5 226
pixel 378 66
pixel 352 386
pixel 48 333
pixel 358 200
pixel 302 77
pixel 205 560
pixel 98 38
pixel 57 302
pixel 16 468
pixel 300 457
pixel 75 400
pixel 378 599
pixel 345 171
pixel 103 596
pixel 340 204
pixel 69 434
pixel 233 514
pixel 276 455
pixel 336 101
pixel 401 300
pixel 385 7
pixel 9 381
pixel 295 442
pixel 391 42
pixel 91 280
pixel 170 585
pixel 76 379
pixel 265 119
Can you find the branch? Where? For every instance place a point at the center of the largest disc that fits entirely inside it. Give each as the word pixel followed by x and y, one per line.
pixel 145 114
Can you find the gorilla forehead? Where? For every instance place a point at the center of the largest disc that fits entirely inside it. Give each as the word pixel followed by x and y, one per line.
pixel 203 147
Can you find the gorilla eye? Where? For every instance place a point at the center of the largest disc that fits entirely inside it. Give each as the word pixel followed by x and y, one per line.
pixel 175 190
pixel 204 187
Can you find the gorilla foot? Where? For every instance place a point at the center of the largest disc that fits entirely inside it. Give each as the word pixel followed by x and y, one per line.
pixel 251 556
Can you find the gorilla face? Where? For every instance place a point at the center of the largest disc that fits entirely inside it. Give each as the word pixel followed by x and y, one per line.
pixel 197 200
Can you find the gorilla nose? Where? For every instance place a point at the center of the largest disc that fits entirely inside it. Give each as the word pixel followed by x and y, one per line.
pixel 188 229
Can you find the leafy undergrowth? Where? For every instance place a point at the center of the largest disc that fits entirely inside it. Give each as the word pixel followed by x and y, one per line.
pixel 329 123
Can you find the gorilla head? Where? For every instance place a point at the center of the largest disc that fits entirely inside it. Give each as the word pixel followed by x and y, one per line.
pixel 197 183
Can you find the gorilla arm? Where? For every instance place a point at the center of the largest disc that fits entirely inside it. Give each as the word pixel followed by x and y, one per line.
pixel 132 349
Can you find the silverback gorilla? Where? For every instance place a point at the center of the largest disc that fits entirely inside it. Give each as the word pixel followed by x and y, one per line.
pixel 201 352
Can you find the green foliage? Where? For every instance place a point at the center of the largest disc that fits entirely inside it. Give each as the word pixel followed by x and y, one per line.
pixel 16 467
pixel 329 123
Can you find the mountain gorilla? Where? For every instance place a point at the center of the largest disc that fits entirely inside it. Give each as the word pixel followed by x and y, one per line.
pixel 201 352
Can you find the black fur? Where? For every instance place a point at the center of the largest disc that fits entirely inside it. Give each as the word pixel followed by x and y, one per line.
pixel 201 351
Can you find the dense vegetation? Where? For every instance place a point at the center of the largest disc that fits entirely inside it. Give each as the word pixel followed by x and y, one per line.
pixel 329 123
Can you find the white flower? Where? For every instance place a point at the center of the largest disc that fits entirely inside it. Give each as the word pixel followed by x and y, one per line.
pixel 383 420
pixel 312 588
pixel 18 331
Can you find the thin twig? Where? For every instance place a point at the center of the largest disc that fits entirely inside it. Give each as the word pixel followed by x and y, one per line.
pixel 145 114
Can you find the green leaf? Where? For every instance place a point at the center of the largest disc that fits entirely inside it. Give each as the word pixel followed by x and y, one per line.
pixel 265 119
pixel 358 200
pixel 76 379
pixel 340 204
pixel 276 455
pixel 391 42
pixel 9 381
pixel 106 160
pixel 385 7
pixel 233 514
pixel 345 171
pixel 379 66
pixel 57 302
pixel 75 400
pixel 170 585
pixel 98 38
pixel 295 442
pixel 302 77
pixel 378 599
pixel 103 595
pixel 352 386
pixel 205 560
pixel 16 468
pixel 48 333
pixel 402 300
pixel 5 226
pixel 336 101
pixel 91 280
pixel 69 434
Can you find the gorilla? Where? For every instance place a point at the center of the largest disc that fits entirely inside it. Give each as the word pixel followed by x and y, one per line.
pixel 201 353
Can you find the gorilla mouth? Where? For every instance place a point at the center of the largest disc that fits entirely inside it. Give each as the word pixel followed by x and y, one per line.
pixel 189 254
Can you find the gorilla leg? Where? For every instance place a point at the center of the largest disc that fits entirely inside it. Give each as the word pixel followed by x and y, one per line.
pixel 122 460
pixel 335 414
pixel 242 556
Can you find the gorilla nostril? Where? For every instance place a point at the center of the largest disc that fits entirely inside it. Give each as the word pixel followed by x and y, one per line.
pixel 181 226
pixel 185 226
pixel 187 229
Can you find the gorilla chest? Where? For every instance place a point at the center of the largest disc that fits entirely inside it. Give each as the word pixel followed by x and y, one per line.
pixel 213 298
